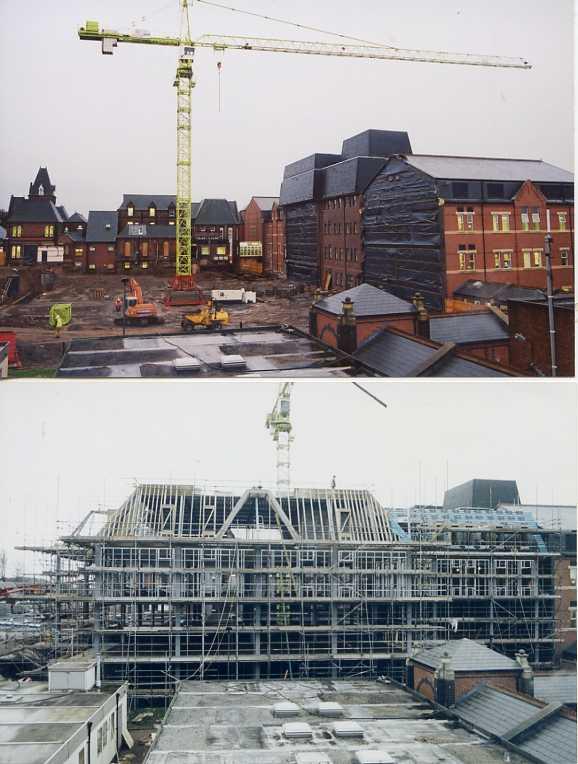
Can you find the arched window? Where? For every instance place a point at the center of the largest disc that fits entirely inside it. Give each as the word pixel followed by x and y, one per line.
pixel 127 249
pixel 165 250
pixel 130 209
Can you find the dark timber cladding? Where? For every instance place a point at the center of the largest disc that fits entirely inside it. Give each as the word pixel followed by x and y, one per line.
pixel 402 234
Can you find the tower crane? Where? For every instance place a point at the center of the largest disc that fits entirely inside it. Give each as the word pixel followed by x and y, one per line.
pixel 279 422
pixel 184 84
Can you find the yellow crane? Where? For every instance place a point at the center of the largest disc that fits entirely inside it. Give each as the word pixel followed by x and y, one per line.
pixel 184 84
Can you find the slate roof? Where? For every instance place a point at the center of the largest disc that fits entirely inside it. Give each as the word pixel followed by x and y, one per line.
pixel 550 739
pixel 486 168
pixel 496 291
pixel 76 217
pixel 2 232
pixel 352 176
pixel 367 301
pixel 217 212
pixel 23 210
pixel 555 687
pixel 430 517
pixel 464 328
pixel 466 655
pixel 75 235
pixel 376 143
pixel 63 213
pixel 142 201
pixel 147 231
pixel 42 179
pixel 102 226
pixel 482 493
pixel 395 354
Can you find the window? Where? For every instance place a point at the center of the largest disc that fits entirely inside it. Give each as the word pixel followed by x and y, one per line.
pixel 502 258
pixel 16 251
pixel 505 221
pixel 500 221
pixel 497 259
pixel 572 572
pixel 152 211
pixel 535 219
pixel 110 249
pixel 525 219
pixel 460 190
pixel 144 266
pixel 465 218
pixel 16 231
pixel 506 259
pixel 165 250
pixel 126 266
pixel 572 612
pixel 467 257
pixel 48 231
pixel 564 255
pixel 92 249
pixel 527 257
pixel 537 258
pixel 81 756
pixel 91 267
pixel 205 251
pixel 562 220
pixel 171 211
pixel 145 249
pixel 355 228
pixel 130 209
pixel 99 745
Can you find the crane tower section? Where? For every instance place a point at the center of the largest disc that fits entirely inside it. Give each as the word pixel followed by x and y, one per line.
pixel 279 423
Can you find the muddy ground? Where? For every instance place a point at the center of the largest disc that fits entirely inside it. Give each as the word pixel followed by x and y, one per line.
pixel 93 296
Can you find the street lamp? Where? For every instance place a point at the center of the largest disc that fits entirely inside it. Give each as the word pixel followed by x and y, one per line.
pixel 125 281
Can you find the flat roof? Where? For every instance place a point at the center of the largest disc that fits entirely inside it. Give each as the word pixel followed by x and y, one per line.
pixel 265 351
pixel 235 721
pixel 35 723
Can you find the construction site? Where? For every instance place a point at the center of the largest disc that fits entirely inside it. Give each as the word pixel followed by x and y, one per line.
pixel 197 581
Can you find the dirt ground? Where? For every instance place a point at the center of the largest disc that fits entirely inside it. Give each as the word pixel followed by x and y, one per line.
pixel 93 296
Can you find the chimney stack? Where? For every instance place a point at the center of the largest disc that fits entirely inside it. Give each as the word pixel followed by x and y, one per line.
pixel 445 683
pixel 526 679
pixel 422 321
pixel 347 328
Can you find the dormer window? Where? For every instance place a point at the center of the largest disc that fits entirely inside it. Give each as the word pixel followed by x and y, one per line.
pixel 152 211
pixel 130 209
pixel 41 190
pixel 171 211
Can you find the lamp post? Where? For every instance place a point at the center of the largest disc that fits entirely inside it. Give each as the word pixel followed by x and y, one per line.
pixel 125 281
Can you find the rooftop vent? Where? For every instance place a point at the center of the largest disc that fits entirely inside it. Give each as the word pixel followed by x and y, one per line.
pixel 286 709
pixel 294 730
pixel 330 709
pixel 372 757
pixel 187 364
pixel 233 362
pixel 347 729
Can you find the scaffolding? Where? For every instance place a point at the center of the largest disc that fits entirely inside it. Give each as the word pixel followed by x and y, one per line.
pixel 182 582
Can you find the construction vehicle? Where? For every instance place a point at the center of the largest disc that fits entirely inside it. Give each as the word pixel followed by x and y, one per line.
pixel 210 316
pixel 184 83
pixel 134 309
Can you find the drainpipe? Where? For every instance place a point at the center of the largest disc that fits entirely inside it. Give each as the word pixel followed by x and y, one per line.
pixel 551 325
pixel 116 731
pixel 88 731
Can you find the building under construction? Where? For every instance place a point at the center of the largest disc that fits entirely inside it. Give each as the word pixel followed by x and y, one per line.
pixel 183 582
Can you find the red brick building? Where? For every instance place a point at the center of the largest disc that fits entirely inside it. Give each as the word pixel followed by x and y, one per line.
pixel 262 247
pixel 406 222
pixel 143 247
pixel 530 335
pixel 100 241
pixel 469 662
pixel 35 225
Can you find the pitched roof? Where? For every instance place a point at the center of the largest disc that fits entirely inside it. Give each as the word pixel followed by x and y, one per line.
pixel 217 212
pixel 486 168
pixel 540 731
pixel 496 291
pixel 555 687
pixel 352 176
pixel 63 213
pixel 265 203
pixel 376 143
pixel 466 655
pixel 396 354
pixel 42 179
pixel 76 217
pixel 23 210
pixel 463 328
pixel 147 231
pixel 143 202
pixel 367 301
pixel 102 226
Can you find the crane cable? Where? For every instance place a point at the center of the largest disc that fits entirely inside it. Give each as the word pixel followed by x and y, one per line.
pixel 292 23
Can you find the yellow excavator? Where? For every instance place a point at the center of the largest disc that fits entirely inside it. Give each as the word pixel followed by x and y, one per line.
pixel 209 316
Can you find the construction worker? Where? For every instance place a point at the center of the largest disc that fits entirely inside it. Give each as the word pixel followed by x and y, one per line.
pixel 118 304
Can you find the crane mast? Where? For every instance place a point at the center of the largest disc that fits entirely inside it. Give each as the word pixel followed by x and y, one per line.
pixel 279 423
pixel 184 84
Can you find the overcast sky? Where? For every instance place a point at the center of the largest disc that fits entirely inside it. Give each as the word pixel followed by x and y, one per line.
pixel 105 125
pixel 69 447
